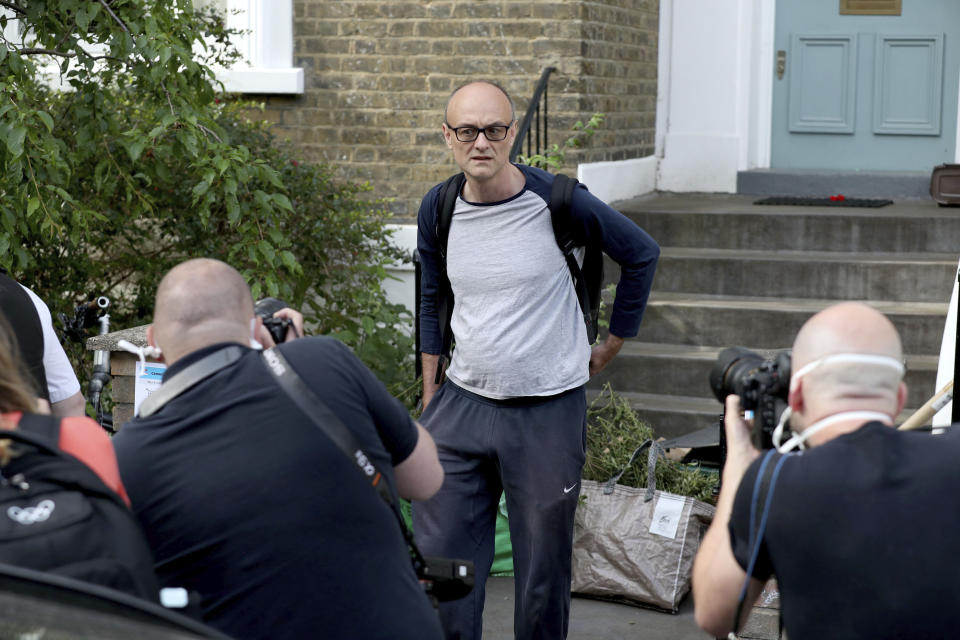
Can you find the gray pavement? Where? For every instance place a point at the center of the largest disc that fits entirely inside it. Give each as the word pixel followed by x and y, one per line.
pixel 593 619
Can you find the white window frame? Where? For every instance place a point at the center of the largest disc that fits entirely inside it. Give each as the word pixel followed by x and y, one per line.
pixel 266 47
pixel 265 44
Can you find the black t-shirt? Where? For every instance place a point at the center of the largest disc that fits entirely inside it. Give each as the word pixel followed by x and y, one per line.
pixel 245 501
pixel 862 535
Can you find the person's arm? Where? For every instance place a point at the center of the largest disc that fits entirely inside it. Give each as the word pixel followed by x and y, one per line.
pixel 413 454
pixel 603 353
pixel 420 475
pixel 75 405
pixel 430 274
pixel 62 384
pixel 717 576
pixel 429 363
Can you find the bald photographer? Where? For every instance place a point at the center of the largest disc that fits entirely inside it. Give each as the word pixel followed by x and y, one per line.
pixel 235 469
pixel 858 525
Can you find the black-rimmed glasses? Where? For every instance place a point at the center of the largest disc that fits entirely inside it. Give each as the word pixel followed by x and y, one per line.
pixel 493 132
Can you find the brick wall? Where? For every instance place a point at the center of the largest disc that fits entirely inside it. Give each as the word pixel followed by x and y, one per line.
pixel 378 74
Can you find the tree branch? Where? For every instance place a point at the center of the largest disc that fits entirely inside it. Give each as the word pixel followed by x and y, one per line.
pixel 209 132
pixel 163 86
pixel 49 52
pixel 13 7
pixel 114 16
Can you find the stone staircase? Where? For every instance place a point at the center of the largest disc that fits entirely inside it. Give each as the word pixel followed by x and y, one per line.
pixel 735 273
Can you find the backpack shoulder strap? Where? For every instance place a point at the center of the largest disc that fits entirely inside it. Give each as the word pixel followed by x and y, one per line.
pixel 561 216
pixel 446 202
pixel 561 198
pixel 43 434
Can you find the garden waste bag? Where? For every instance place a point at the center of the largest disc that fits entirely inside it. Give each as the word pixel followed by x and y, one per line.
pixel 636 545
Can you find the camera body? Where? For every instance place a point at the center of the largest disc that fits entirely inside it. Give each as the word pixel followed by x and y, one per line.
pixel 763 386
pixel 446 579
pixel 277 327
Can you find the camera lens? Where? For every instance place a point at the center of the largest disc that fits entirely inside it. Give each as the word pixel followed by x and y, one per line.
pixel 731 370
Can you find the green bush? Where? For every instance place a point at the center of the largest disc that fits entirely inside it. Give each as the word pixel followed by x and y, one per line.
pixel 141 165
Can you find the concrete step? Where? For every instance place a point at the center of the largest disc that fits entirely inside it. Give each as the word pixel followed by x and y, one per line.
pixel 670 415
pixel 772 323
pixel 734 222
pixel 735 273
pixel 795 274
pixel 667 369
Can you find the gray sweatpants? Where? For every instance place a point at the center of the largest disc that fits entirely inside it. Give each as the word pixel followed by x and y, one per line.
pixel 531 449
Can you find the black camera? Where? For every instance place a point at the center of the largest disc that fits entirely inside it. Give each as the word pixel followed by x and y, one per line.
pixel 446 579
pixel 763 386
pixel 276 326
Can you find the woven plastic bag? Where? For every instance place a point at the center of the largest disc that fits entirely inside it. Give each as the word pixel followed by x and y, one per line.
pixel 636 545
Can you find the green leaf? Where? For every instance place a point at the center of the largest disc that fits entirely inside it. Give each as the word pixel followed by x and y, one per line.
pixel 32 205
pixel 200 189
pixel 134 149
pixel 282 201
pixel 368 324
pixel 233 209
pixel 83 17
pixel 290 261
pixel 15 139
pixel 47 120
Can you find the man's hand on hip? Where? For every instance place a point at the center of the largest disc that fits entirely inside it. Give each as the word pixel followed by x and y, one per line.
pixel 603 353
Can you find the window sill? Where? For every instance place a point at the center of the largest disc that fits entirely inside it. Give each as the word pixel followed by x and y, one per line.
pixel 262 80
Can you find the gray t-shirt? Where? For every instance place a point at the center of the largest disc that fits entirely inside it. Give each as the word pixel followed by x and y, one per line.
pixel 518 326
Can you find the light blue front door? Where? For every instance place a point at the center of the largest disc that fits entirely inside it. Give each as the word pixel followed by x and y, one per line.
pixel 855 92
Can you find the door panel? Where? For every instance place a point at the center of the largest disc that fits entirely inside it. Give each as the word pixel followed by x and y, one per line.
pixel 908 85
pixel 866 92
pixel 823 83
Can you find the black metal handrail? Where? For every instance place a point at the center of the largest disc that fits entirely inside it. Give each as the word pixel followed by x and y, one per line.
pixel 533 113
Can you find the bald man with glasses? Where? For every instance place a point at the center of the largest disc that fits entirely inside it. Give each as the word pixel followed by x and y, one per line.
pixel 510 415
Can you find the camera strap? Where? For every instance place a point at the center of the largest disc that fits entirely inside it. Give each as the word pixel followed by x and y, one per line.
pixel 196 372
pixel 762 492
pixel 321 415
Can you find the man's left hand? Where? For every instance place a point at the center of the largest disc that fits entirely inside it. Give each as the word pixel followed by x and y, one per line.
pixel 294 331
pixel 603 353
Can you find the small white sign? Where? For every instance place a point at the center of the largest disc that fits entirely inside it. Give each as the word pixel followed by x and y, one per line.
pixel 666 515
pixel 148 379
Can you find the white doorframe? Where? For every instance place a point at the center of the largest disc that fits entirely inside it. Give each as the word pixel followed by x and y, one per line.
pixel 714 93
pixel 758 109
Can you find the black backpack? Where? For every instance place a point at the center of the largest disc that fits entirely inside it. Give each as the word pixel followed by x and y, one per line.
pixel 587 281
pixel 58 516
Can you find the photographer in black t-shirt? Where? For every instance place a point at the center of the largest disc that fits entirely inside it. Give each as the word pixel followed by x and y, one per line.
pixel 859 528
pixel 249 503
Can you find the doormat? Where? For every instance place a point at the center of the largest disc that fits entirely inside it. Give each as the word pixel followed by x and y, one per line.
pixel 825 202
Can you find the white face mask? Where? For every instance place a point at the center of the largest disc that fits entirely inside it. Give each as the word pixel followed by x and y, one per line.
pixel 847 358
pixel 254 344
pixel 867 360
